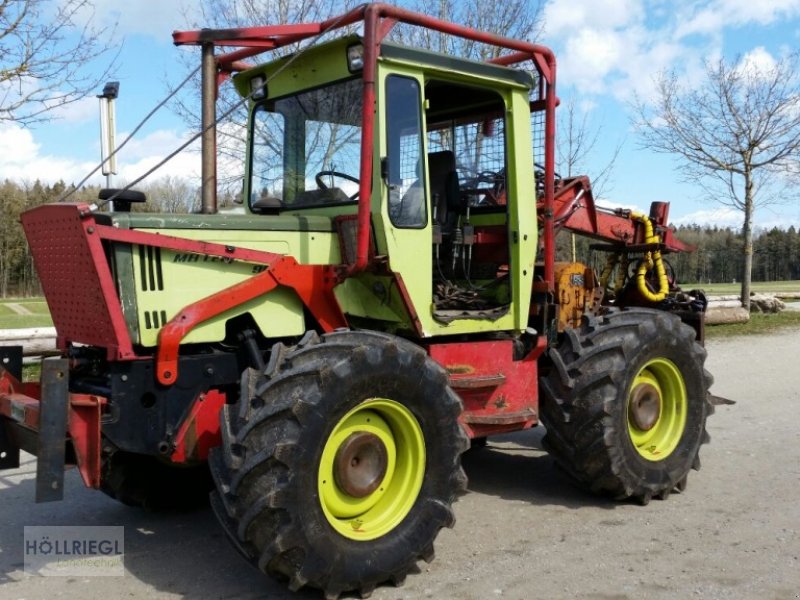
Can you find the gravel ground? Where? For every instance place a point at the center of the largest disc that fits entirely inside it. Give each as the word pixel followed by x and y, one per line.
pixel 523 530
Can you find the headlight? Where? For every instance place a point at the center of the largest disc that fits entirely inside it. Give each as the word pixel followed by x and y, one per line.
pixel 258 87
pixel 355 57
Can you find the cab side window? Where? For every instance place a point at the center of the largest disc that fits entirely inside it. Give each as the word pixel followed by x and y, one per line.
pixel 405 168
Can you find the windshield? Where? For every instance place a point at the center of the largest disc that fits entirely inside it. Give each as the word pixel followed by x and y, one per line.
pixel 305 148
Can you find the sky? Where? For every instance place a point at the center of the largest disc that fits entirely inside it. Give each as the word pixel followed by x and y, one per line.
pixel 609 52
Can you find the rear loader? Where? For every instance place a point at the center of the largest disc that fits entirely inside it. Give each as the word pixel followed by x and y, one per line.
pixel 389 293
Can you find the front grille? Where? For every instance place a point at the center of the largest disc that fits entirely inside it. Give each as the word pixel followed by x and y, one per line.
pixel 152 278
pixel 155 319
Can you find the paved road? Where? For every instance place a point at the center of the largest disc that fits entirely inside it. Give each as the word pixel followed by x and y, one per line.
pixel 523 531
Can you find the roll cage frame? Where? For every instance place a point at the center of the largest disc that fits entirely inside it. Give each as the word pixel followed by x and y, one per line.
pixel 378 21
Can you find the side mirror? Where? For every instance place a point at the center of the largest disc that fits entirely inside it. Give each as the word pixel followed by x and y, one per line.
pixel 239 198
pixel 385 169
pixel 394 190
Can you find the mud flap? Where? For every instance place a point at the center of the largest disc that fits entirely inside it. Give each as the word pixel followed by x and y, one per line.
pixel 52 430
pixel 11 361
pixel 9 451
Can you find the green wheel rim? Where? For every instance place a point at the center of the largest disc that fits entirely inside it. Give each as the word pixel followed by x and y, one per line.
pixel 656 410
pixel 391 428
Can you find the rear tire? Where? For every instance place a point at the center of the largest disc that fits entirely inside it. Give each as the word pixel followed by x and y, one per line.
pixel 625 402
pixel 275 494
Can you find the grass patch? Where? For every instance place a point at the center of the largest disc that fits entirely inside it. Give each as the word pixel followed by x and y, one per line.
pixel 22 300
pixel 25 321
pixel 37 314
pixel 735 288
pixel 759 323
pixel 32 372
pixel 16 321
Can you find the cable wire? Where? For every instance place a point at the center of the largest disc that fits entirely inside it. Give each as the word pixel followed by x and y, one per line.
pixel 224 115
pixel 130 136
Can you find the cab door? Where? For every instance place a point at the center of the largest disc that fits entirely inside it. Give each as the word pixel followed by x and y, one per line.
pixel 405 206
pixel 450 202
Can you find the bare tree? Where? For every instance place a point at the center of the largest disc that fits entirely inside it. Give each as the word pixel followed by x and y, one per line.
pixel 519 19
pixel 223 14
pixel 737 135
pixel 170 195
pixel 515 18
pixel 44 50
pixel 576 143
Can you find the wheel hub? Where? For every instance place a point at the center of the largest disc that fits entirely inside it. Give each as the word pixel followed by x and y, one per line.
pixel 371 469
pixel 645 406
pixel 360 464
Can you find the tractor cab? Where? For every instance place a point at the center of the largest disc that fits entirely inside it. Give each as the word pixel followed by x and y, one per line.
pixel 450 215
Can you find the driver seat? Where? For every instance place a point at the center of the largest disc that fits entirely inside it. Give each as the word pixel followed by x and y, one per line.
pixel 445 193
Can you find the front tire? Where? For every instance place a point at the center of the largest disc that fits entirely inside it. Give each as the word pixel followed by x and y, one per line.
pixel 340 462
pixel 625 402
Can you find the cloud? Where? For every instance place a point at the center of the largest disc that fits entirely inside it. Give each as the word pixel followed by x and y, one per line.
pixel 48 169
pixel 709 18
pixel 722 216
pixel 617 47
pixel 157 143
pixel 183 166
pixel 757 63
pixel 591 55
pixel 565 16
pixel 142 154
pixel 608 47
pixel 612 205
pixel 17 147
pixel 24 159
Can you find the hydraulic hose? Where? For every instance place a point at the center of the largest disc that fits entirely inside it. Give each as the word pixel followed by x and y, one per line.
pixel 652 259
pixel 611 262
pixel 622 273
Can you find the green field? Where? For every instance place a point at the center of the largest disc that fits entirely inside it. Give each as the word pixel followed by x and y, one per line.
pixel 37 314
pixel 19 313
pixel 758 323
pixel 735 288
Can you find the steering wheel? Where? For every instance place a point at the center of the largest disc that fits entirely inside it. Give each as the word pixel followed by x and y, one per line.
pixel 323 186
pixel 489 176
pixel 495 195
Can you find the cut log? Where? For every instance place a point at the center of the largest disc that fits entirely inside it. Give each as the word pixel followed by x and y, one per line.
pixel 724 303
pixel 766 304
pixel 35 341
pixel 722 315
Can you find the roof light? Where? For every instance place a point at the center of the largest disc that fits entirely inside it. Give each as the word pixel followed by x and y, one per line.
pixel 355 57
pixel 258 87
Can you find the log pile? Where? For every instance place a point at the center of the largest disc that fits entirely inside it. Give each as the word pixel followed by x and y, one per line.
pixel 766 304
pixel 787 295
pixel 728 308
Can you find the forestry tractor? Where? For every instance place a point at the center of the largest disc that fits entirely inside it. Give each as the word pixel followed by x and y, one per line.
pixel 389 292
